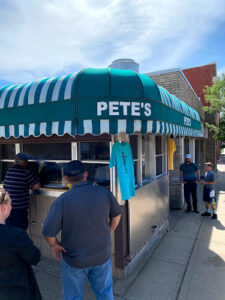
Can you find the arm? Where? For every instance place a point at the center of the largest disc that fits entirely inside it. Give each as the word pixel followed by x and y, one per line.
pixel 212 179
pixel 55 246
pixel 198 175
pixel 114 222
pixel 181 177
pixel 52 226
pixel 26 249
pixel 35 186
pixel 32 181
pixel 115 213
pixel 208 182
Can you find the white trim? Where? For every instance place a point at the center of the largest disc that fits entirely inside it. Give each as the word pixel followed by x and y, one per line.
pixel 21 129
pixel 67 127
pixel 137 125
pixel 88 126
pixel 104 126
pixel 44 90
pixel 22 94
pixel 32 91
pixel 55 127
pixel 43 126
pixel 149 126
pixel 68 89
pixel 2 131
pixel 122 125
pixel 55 94
pixel 31 129
pixel 2 98
pixel 12 97
pixel 74 154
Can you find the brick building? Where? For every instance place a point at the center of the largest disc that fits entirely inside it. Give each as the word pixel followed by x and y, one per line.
pixel 199 78
pixel 176 83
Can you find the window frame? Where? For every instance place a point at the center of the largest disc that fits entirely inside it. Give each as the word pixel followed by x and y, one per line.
pixel 164 157
pixel 150 156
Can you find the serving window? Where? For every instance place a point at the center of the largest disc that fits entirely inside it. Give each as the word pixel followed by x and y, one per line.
pixel 47 160
pixel 48 151
pixel 95 156
pixel 160 155
pixel 145 140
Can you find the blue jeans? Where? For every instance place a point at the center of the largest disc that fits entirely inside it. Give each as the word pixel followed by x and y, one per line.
pixel 100 278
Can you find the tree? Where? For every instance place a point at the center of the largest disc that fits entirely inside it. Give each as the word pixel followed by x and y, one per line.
pixel 215 97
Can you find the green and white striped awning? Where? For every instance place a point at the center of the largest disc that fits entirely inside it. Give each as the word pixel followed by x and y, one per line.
pixel 189 113
pixel 94 101
pixel 41 107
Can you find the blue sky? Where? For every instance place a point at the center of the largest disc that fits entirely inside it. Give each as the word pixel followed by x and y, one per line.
pixel 43 38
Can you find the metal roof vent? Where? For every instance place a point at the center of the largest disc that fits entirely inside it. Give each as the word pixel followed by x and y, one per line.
pixel 125 64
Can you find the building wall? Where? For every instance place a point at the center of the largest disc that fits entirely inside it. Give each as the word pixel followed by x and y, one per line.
pixel 176 197
pixel 176 83
pixel 199 78
pixel 203 143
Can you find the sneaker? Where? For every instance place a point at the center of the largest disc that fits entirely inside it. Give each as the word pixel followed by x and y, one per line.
pixel 214 216
pixel 196 211
pixel 206 214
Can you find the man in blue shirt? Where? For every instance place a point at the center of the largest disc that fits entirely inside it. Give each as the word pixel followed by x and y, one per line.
pixel 209 193
pixel 190 175
pixel 86 215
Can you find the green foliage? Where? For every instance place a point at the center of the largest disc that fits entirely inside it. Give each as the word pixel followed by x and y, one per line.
pixel 219 130
pixel 215 96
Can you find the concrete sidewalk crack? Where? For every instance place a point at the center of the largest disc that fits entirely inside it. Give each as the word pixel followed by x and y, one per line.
pixel 188 262
pixel 167 261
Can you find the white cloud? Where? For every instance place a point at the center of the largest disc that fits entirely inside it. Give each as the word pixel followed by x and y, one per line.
pixel 44 38
pixel 221 70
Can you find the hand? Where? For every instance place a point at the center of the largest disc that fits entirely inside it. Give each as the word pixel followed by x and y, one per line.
pixel 203 183
pixel 184 182
pixel 58 249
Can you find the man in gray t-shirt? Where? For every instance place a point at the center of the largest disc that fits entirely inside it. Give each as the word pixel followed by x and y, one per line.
pixel 209 193
pixel 86 216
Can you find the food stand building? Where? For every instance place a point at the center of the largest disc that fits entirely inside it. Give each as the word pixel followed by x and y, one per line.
pixel 79 116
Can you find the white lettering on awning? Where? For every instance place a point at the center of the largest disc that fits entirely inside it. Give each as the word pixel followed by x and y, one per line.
pixel 124 105
pixel 114 108
pixel 187 121
pixel 100 107
pixel 135 108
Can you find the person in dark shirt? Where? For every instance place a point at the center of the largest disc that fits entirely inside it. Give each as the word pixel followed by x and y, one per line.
pixel 18 180
pixel 86 215
pixel 18 253
pixel 190 175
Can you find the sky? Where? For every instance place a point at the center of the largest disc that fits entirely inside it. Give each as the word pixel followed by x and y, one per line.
pixel 45 38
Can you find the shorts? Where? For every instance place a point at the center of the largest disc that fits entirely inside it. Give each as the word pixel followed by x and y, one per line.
pixel 209 196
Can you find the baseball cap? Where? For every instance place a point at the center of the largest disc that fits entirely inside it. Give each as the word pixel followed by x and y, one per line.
pixel 188 156
pixel 74 168
pixel 21 156
pixel 209 164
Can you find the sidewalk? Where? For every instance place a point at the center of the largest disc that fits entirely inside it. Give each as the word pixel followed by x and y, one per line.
pixel 189 263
